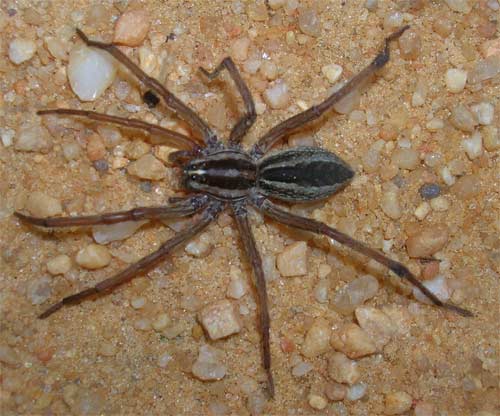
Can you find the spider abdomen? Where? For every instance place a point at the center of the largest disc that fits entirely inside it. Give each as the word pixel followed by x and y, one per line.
pixel 302 174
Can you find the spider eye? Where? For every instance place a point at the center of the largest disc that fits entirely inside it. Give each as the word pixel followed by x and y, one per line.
pixel 194 177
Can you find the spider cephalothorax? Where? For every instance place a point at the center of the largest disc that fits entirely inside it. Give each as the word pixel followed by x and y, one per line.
pixel 216 176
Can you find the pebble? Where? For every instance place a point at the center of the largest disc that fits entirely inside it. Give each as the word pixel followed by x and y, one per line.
pixel 332 72
pixel 424 409
pixel 390 204
pixel 71 151
pixel 485 69
pixel 462 118
pixel 143 324
pixel 43 205
pixel 484 113
pixel 427 241
pixel 237 288
pixel 371 5
pixel 95 147
pixel 200 247
pixel 90 72
pixel 164 359
pixel 104 234
pixel 321 291
pixel 220 319
pixel 131 28
pixel 335 391
pixel 353 341
pixel 434 124
pixel 317 402
pixel 269 69
pixel 317 340
pixel 57 48
pixel 393 20
pixel 93 257
pixel 422 210
pixel 491 138
pixel 7 136
pixel 21 50
pixel 33 139
pixel 161 322
pixel 447 176
pixel 343 370
pixel 9 356
pixel 349 102
pixel 292 261
pixel 405 158
pixel 138 303
pixel 301 369
pixel 461 6
pixel 309 22
pixel 277 96
pixel 239 49
pixel 82 401
pixel 397 403
pixel 455 79
pixel 107 349
pixel 466 187
pixel 355 293
pixel 438 286
pixel 410 44
pixel 356 392
pixel 473 146
pixel 207 366
pixel 147 167
pixel 376 324
pixel 440 204
pixel 429 191
pixel 59 265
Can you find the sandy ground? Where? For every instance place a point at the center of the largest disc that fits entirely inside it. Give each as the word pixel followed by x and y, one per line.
pixel 441 359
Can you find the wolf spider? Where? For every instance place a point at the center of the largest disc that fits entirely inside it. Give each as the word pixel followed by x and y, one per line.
pixel 217 175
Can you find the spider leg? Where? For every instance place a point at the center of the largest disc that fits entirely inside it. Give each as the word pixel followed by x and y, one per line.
pixel 247 120
pixel 170 99
pixel 253 255
pixel 166 136
pixel 183 208
pixel 146 263
pixel 303 223
pixel 299 120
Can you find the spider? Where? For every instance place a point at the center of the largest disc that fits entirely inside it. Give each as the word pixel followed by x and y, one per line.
pixel 218 175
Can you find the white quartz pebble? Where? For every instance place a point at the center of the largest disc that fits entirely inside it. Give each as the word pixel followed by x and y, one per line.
pixel 21 50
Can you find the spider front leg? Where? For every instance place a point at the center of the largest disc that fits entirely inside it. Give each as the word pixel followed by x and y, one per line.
pixel 288 126
pixel 247 120
pixel 253 255
pixel 143 265
pixel 303 223
pixel 170 99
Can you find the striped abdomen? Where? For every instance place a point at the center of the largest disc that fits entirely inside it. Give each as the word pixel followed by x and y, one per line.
pixel 226 174
pixel 302 174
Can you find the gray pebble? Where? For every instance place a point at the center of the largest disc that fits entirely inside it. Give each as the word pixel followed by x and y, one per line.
pixel 430 191
pixel 101 165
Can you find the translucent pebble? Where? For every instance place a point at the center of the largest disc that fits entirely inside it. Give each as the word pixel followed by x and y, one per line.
pixel 132 27
pixel 31 138
pixel 473 145
pixel 427 241
pixel 447 176
pixel 332 72
pixel 455 79
pixel 317 402
pixel 405 158
pixel 161 322
pixel 376 324
pixel 7 136
pixel 349 102
pixel 292 261
pixel 93 256
pixel 90 72
pixel 353 341
pixel 21 50
pixel 301 369
pixel 393 20
pixel 371 5
pixel 485 69
pixel 138 303
pixel 220 319
pixel 147 167
pixel 317 340
pixel 239 49
pixel 208 366
pixel 354 294
pixel 277 96
pixel 200 247
pixel 440 204
pixel 236 289
pixel 434 124
pixel 335 391
pixel 39 290
pixel 104 234
pixel 461 6
pixel 8 356
pixel 164 359
pixel 356 391
pixel 309 22
pixel 59 265
pixel 343 370
pixel 321 291
pixel 437 286
pixel 467 186
pixel 269 69
pixel 484 113
pixel 390 205
pixel 398 402
pixel 410 44
pixel 40 204
pixel 462 118
pixel 491 138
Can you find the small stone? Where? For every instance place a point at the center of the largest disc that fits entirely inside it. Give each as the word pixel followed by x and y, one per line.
pixel 349 102
pixel 7 136
pixel 301 369
pixel 95 147
pixel 321 291
pixel 317 402
pixel 93 257
pixel 447 176
pixel 393 20
pixel 220 319
pixel 41 205
pixel 462 119
pixel 390 204
pixel 131 28
pixel 491 138
pixel 335 391
pixel 317 340
pixel 309 22
pixel 136 149
pixel 484 112
pixel 269 69
pixel 292 261
pixel 71 151
pixel 354 294
pixel 143 324
pixel 164 359
pixel 200 247
pixel 429 191
pixel 422 210
pixel 353 341
pixel 424 409
pixel 207 366
pixel 332 72
pixel 82 401
pixel 57 48
pixel 104 234
pixel 434 124
pixel 161 322
pixel 33 139
pixel 9 356
pixel 428 241
pixel 461 6
pixel 466 187
pixel 438 286
pixel 59 265
pixel 90 72
pixel 376 324
pixel 356 391
pixel 147 167
pixel 107 349
pixel 138 303
pixel 473 146
pixel 371 5
pixel 237 288
pixel 343 370
pixel 39 290
pixel 440 204
pixel 410 44
pixel 455 79
pixel 398 402
pixel 239 49
pixel 21 50
pixel 485 69
pixel 277 96
pixel 405 159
